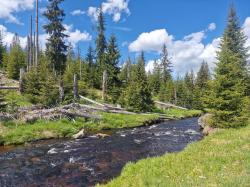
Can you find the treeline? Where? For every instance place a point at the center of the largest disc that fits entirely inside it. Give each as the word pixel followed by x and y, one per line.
pixel 225 94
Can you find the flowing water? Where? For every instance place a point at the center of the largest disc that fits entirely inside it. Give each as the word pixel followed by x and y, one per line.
pixel 88 161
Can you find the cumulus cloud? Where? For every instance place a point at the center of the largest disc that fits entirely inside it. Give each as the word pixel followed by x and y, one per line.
pixel 77 12
pixel 8 37
pixel 185 54
pixel 115 8
pixel 75 36
pixel 151 41
pixel 246 29
pixel 212 26
pixel 93 13
pixel 9 7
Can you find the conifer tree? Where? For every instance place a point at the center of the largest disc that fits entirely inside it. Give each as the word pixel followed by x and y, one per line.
pixel 40 83
pixel 125 73
pixel 229 92
pixel 16 59
pixel 155 81
pixel 165 64
pixel 138 95
pixel 55 46
pixel 101 46
pixel 91 70
pixel 111 63
pixel 190 85
pixel 202 86
pixel 2 50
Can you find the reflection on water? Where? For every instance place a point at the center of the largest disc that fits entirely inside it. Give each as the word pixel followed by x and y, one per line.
pixel 88 161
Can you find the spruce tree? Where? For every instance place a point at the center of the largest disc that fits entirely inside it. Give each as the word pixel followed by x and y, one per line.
pixel 55 46
pixel 2 50
pixel 165 64
pixel 229 92
pixel 125 73
pixel 111 65
pixel 203 76
pixel 138 94
pixel 91 74
pixel 190 85
pixel 155 79
pixel 16 59
pixel 40 84
pixel 202 86
pixel 101 46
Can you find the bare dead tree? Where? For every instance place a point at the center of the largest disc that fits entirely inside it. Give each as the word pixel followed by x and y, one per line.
pixel 75 88
pixel 104 84
pixel 31 43
pixel 37 35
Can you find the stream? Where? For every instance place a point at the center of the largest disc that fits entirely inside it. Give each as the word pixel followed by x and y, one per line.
pixel 88 161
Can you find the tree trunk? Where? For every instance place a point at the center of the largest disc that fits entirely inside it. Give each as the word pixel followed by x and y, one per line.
pixel 104 84
pixel 61 91
pixel 21 80
pixel 75 89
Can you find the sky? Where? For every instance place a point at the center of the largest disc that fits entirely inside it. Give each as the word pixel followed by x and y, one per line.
pixel 191 29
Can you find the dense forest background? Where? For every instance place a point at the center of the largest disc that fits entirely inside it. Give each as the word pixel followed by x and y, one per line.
pixel 224 92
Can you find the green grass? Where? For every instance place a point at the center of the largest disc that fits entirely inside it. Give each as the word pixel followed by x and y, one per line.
pixel 221 159
pixel 21 133
pixel 179 113
pixel 18 133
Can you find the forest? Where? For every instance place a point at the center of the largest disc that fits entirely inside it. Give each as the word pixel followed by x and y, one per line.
pixel 45 93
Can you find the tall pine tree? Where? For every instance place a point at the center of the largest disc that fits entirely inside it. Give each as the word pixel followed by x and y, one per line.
pixel 16 59
pixel 138 95
pixel 101 46
pixel 230 77
pixel 111 65
pixel 55 46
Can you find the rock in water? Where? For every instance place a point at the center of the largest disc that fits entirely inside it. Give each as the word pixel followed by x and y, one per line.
pixel 80 134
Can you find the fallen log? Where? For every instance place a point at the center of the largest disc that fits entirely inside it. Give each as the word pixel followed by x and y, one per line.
pixel 169 105
pixel 9 87
pixel 6 116
pixel 78 114
pixel 91 101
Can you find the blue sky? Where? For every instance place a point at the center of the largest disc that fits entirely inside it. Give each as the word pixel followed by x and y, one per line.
pixel 190 28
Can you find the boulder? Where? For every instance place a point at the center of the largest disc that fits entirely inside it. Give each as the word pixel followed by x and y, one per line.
pixel 80 134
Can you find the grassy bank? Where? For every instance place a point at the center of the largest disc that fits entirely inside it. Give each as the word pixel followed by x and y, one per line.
pixel 221 159
pixel 179 114
pixel 17 133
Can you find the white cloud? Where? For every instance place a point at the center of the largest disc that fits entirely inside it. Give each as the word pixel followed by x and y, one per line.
pixel 211 26
pixel 75 36
pixel 93 13
pixel 9 7
pixel 151 41
pixel 185 54
pixel 115 8
pixel 246 29
pixel 195 37
pixel 8 37
pixel 77 12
